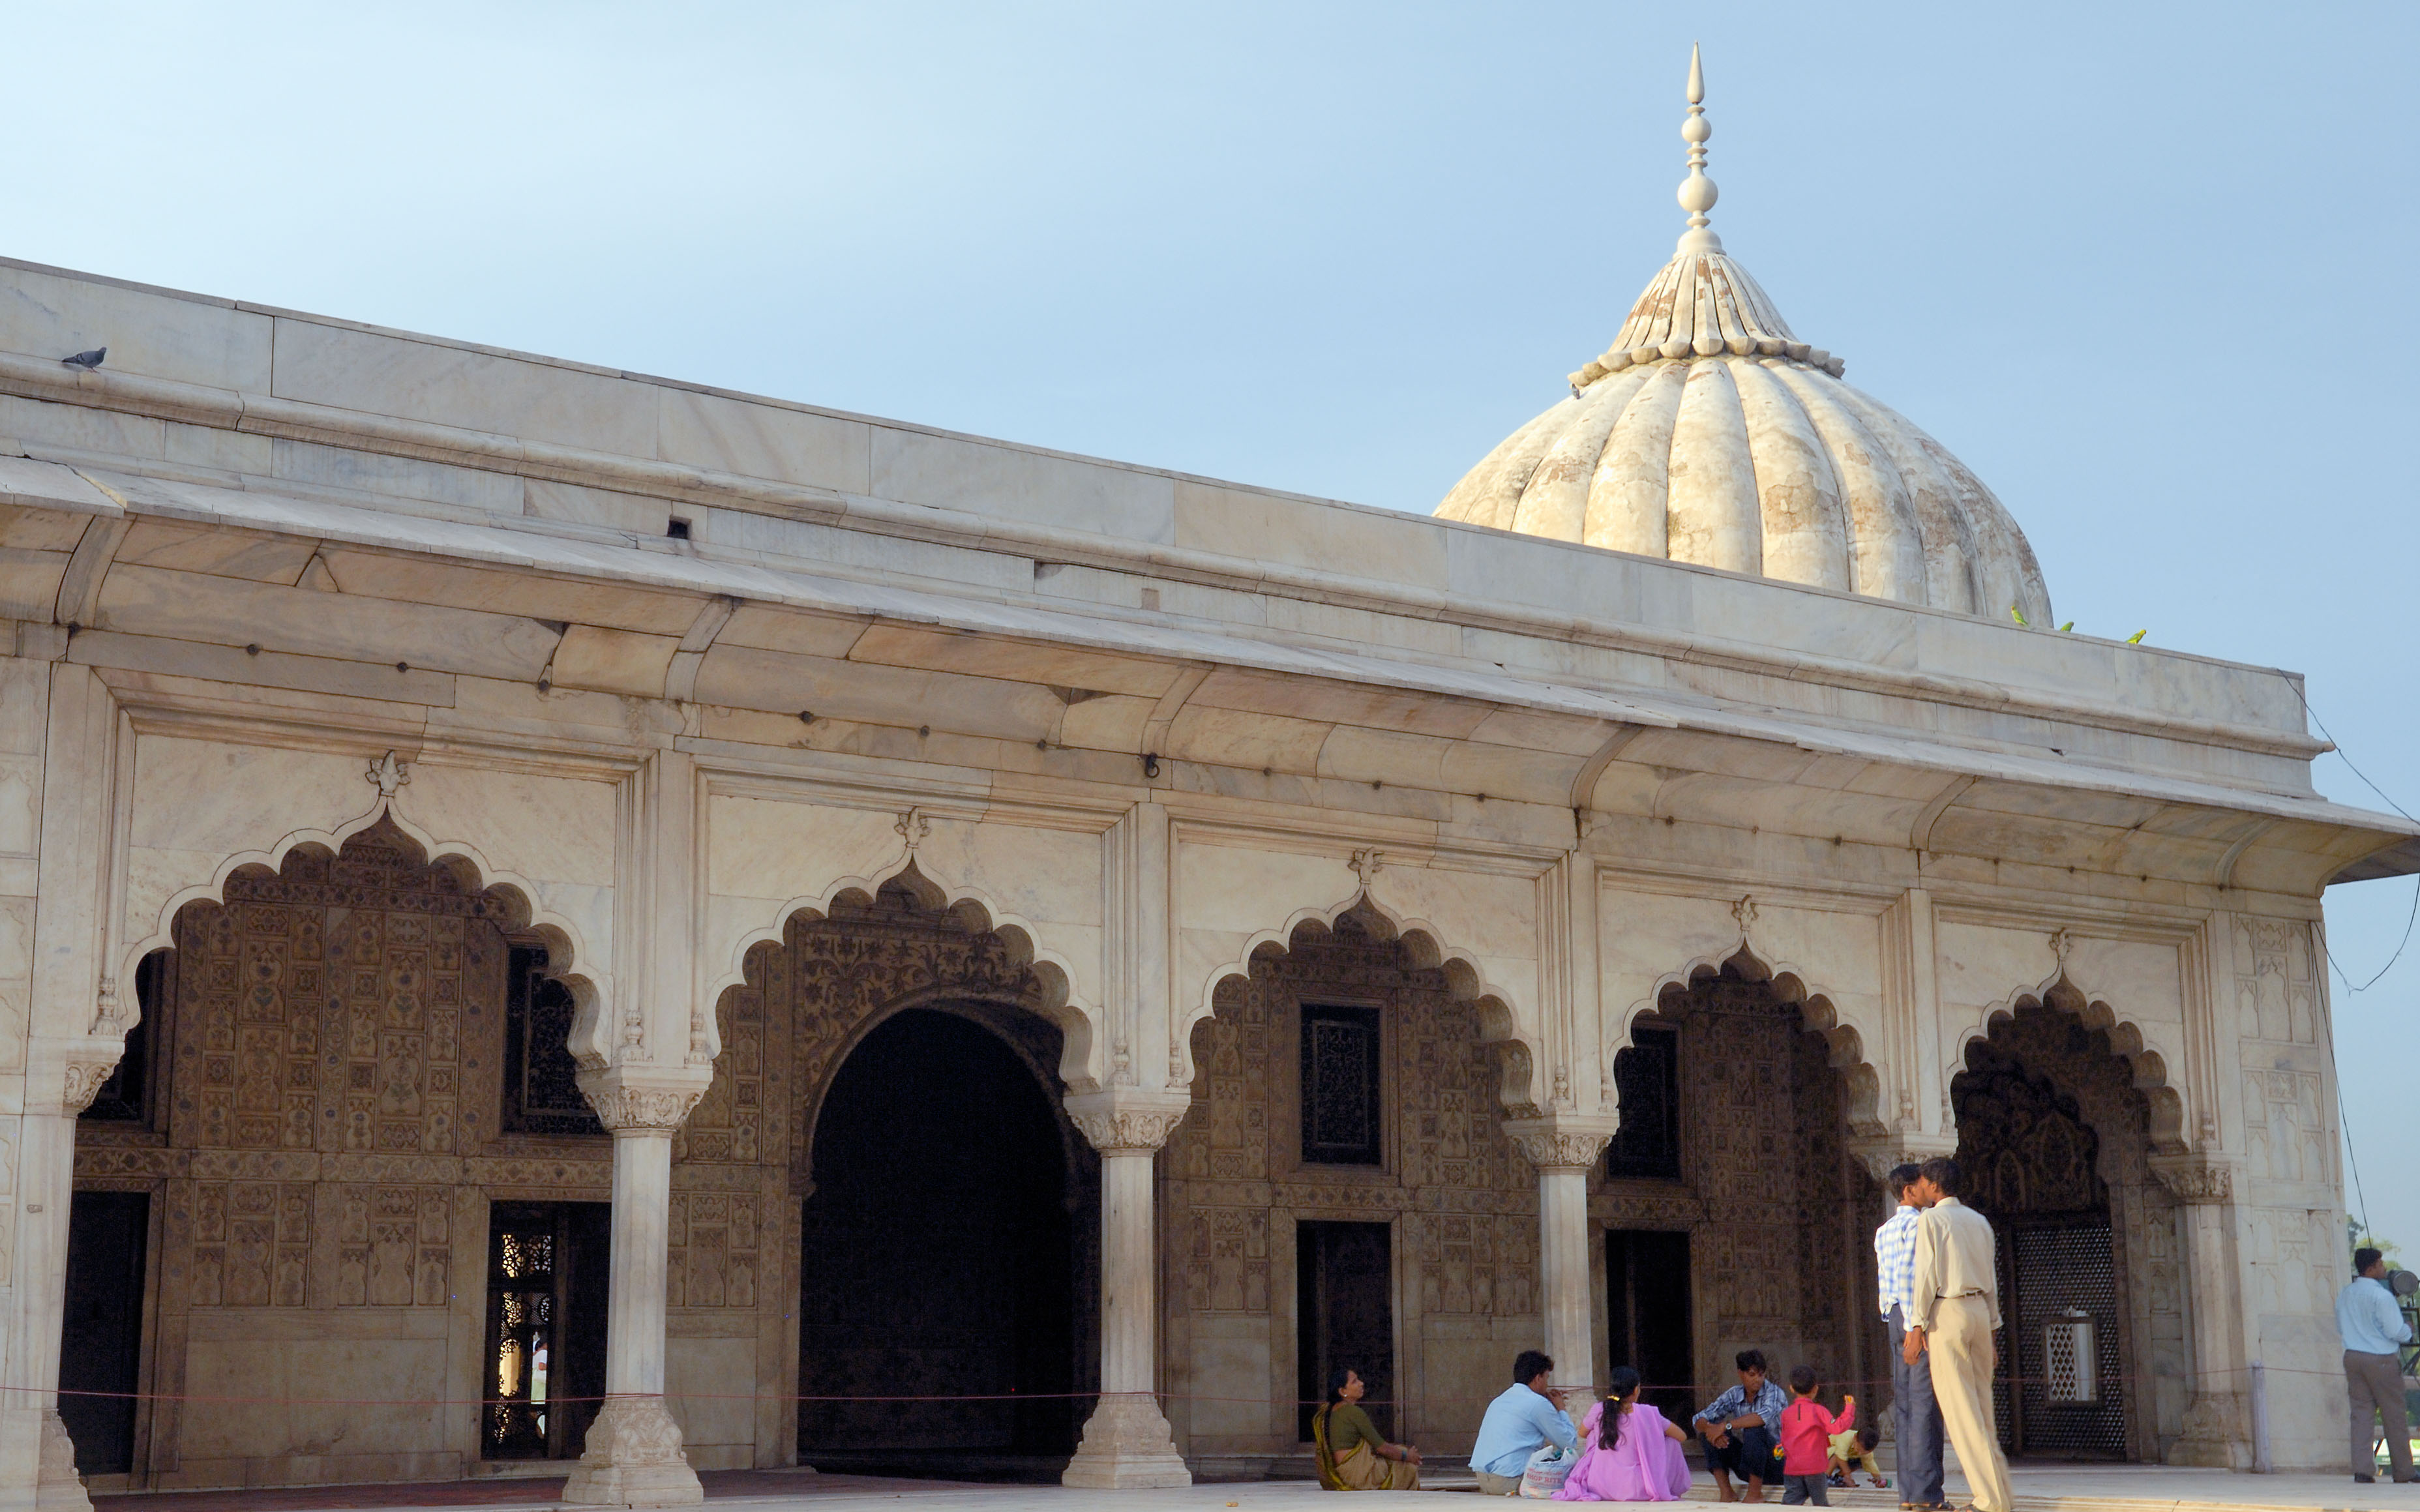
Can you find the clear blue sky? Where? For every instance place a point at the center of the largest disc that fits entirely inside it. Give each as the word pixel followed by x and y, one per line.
pixel 2147 269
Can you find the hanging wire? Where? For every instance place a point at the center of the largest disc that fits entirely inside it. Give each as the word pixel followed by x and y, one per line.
pixel 2354 1160
pixel 2343 1122
pixel 2410 919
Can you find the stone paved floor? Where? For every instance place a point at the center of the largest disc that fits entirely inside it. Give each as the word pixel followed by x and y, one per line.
pixel 2044 1487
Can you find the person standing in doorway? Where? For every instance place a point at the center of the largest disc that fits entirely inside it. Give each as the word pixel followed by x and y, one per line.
pixel 2374 1331
pixel 1914 1412
pixel 1956 1305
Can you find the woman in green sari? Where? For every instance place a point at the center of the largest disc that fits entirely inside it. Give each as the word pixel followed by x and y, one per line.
pixel 1352 1454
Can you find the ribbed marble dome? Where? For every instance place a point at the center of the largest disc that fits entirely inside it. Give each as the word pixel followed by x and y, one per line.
pixel 1709 433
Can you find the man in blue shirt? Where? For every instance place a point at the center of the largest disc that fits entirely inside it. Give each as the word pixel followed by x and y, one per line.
pixel 1527 1417
pixel 1913 1407
pixel 1741 1430
pixel 2373 1329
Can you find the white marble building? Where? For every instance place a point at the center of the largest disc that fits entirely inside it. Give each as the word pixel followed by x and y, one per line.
pixel 396 732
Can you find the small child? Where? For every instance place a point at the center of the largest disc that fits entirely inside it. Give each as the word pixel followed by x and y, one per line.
pixel 1806 1432
pixel 1850 1450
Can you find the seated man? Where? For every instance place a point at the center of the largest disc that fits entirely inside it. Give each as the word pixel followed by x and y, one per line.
pixel 1741 1430
pixel 1527 1418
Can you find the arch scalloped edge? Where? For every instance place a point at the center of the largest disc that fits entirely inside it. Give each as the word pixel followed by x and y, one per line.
pixel 2148 1068
pixel 1498 1018
pixel 1078 1020
pixel 1818 1012
pixel 568 959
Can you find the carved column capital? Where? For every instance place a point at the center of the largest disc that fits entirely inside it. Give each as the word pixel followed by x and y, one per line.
pixel 1561 1141
pixel 85 1067
pixel 642 1100
pixel 1125 1120
pixel 2195 1180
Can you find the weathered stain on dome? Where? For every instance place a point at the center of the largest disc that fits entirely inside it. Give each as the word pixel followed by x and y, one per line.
pixel 1709 433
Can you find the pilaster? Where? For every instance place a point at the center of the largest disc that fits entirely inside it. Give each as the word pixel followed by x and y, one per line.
pixel 2218 1424
pixel 75 1033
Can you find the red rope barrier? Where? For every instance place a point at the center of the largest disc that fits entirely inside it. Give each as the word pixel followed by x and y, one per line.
pixel 997 1397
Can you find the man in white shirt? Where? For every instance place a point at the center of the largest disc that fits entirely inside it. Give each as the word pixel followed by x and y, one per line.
pixel 2374 1332
pixel 1912 1409
pixel 1957 1297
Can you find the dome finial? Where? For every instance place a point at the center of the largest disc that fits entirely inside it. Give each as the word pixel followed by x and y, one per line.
pixel 1698 192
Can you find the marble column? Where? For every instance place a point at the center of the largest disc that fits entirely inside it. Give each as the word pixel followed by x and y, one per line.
pixel 1126 1444
pixel 2218 1420
pixel 74 1032
pixel 37 1457
pixel 1564 1149
pixel 633 1456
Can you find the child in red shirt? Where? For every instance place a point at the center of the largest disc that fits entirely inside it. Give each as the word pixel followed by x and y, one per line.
pixel 1806 1432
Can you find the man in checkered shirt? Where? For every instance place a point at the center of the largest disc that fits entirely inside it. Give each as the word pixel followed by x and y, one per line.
pixel 1914 1412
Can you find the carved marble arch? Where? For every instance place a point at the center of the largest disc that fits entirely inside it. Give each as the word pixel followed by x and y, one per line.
pixel 569 958
pixel 1053 998
pixel 1516 1052
pixel 1845 1048
pixel 2146 1068
pixel 1049 973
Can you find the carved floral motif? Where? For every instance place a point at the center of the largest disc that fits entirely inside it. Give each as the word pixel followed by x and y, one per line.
pixel 83 1082
pixel 1551 1147
pixel 1126 1128
pixel 2196 1181
pixel 625 1108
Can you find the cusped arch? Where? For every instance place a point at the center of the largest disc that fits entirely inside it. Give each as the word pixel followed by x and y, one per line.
pixel 1818 1013
pixel 2149 1069
pixel 1466 981
pixel 569 960
pixel 955 999
pixel 1076 1017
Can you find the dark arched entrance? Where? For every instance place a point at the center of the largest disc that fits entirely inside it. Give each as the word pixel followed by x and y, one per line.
pixel 2033 1161
pixel 935 1260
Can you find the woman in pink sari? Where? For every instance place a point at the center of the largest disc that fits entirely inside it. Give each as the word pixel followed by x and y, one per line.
pixel 1630 1454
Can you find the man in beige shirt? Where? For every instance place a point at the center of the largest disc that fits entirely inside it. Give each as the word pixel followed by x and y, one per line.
pixel 1957 1295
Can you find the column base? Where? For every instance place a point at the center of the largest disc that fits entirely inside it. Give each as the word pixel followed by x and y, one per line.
pixel 38 1471
pixel 60 1488
pixel 2210 1440
pixel 633 1458
pixel 1126 1447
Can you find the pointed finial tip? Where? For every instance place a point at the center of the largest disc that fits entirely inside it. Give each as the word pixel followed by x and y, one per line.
pixel 1697 77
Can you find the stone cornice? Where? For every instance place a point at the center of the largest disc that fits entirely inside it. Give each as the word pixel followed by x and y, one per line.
pixel 326 424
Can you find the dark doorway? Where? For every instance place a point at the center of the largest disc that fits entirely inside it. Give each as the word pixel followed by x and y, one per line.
pixel 1647 1316
pixel 1345 1314
pixel 936 1259
pixel 100 1346
pixel 2031 1163
pixel 548 1273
